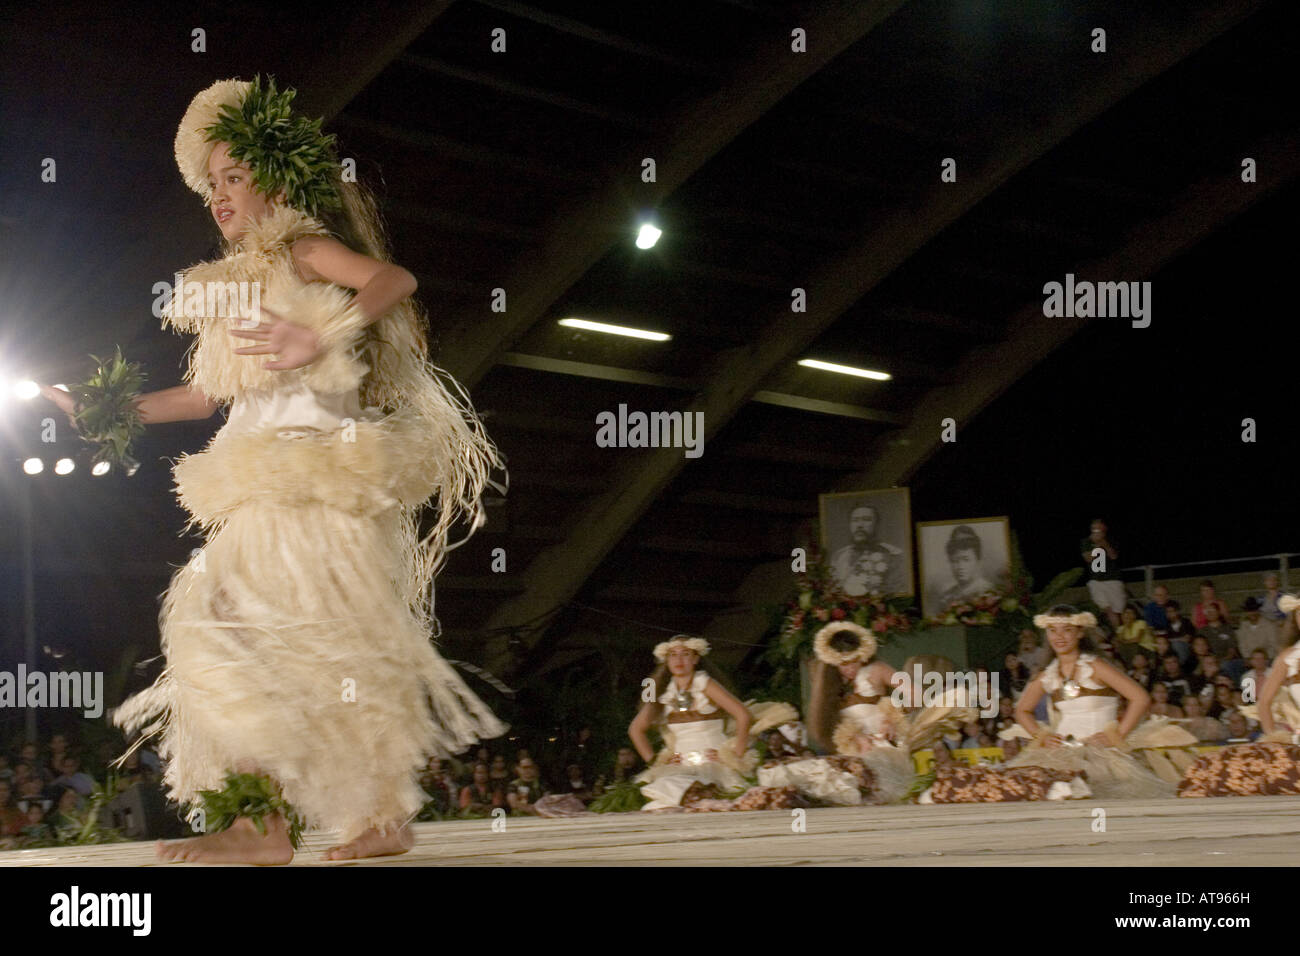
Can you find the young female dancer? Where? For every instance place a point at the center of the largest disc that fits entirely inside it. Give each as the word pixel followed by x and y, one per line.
pixel 301 682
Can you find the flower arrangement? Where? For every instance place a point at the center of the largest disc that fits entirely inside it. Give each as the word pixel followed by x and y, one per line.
pixel 820 601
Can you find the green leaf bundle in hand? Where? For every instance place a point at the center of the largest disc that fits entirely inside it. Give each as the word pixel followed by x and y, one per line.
pixel 106 413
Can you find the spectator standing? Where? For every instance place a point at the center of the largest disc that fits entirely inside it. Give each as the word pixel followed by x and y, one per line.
pixel 1256 631
pixel 1104 585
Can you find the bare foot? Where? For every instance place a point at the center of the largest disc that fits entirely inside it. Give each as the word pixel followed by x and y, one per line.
pixel 374 842
pixel 239 844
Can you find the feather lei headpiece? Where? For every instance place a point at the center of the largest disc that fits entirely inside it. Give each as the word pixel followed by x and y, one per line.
pixel 863 651
pixel 284 151
pixel 697 644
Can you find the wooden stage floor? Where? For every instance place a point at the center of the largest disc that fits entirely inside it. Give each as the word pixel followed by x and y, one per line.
pixel 1241 831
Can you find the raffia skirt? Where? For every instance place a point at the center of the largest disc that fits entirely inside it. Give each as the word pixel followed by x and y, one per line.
pixel 291 649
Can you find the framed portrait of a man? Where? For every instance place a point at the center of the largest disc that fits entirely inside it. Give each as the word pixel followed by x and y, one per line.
pixel 962 560
pixel 866 536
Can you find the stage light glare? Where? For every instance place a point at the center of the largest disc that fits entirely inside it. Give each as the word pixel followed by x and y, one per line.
pixel 26 390
pixel 64 466
pixel 615 329
pixel 647 236
pixel 846 370
pixel 99 468
pixel 33 466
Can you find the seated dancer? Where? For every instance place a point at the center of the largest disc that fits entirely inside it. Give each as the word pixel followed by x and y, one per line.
pixel 1087 748
pixel 697 748
pixel 1271 765
pixel 877 737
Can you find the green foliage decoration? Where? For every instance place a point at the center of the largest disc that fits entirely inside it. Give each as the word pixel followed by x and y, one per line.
pixel 284 151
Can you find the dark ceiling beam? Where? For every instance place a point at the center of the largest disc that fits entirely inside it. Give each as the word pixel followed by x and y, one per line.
pixel 984 374
pixel 850 180
pixel 790 454
pixel 679 64
pixel 611 373
pixel 821 407
pixel 1141 199
pixel 782 225
pixel 580 236
pixel 926 318
pixel 374 36
pixel 522 91
pixel 1069 236
pixel 422 214
pixel 474 154
pixel 689 264
pixel 767 504
pixel 560 572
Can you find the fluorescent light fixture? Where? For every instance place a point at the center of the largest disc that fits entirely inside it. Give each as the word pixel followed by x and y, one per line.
pixel 846 370
pixel 647 236
pixel 615 329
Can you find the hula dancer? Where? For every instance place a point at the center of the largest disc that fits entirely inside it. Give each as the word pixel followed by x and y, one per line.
pixel 301 684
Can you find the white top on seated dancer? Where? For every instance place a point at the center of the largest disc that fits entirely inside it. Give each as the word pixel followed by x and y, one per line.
pixel 1290 659
pixel 693 696
pixel 294 408
pixel 1088 713
pixel 869 718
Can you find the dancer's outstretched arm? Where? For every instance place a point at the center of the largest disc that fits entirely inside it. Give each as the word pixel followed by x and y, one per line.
pixel 179 404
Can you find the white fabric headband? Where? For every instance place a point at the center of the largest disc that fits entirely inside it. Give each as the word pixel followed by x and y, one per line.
pixel 1082 619
pixel 697 644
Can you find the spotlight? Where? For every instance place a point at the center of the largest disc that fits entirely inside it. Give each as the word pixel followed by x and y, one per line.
pixel 615 329
pixel 64 466
pixel 26 390
pixel 33 466
pixel 846 370
pixel 99 468
pixel 647 236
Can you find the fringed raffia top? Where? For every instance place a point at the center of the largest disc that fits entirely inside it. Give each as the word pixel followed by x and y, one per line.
pixel 415 441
